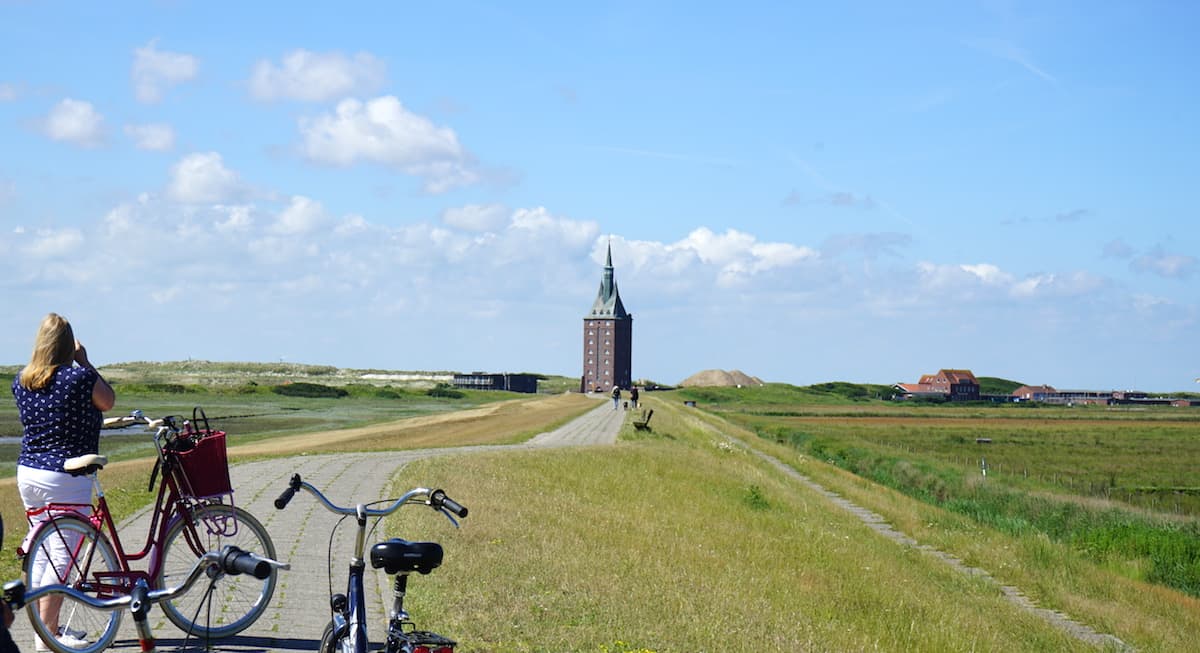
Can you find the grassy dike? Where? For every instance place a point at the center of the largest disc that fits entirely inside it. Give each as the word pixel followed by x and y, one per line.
pixel 679 541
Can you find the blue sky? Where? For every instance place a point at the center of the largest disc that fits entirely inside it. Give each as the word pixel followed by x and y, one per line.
pixel 844 191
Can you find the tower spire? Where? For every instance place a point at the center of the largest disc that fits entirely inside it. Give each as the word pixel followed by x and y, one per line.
pixel 608 299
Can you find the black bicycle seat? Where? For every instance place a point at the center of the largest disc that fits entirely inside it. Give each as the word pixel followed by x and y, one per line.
pixel 397 556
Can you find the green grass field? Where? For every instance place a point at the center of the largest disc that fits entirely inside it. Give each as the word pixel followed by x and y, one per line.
pixel 1118 487
pixel 677 539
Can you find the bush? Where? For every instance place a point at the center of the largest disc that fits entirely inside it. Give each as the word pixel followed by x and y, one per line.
pixel 309 390
pixel 444 391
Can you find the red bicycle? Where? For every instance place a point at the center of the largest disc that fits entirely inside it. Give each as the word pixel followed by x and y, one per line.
pixel 80 544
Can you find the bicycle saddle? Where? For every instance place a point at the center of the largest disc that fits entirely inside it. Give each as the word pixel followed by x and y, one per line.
pixel 397 556
pixel 85 464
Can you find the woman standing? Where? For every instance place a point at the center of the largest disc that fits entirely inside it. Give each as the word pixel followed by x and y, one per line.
pixel 61 406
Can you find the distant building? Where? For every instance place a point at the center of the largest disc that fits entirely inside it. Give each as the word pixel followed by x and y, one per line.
pixel 484 381
pixel 607 338
pixel 952 385
pixel 1033 393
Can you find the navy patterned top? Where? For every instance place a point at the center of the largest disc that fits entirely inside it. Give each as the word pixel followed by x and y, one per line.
pixel 60 420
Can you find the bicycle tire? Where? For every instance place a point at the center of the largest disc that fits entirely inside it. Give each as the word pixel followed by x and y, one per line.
pixel 92 553
pixel 239 600
pixel 328 641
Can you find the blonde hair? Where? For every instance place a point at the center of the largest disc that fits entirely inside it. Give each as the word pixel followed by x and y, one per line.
pixel 54 346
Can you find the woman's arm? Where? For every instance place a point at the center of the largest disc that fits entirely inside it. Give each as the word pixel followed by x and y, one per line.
pixel 103 396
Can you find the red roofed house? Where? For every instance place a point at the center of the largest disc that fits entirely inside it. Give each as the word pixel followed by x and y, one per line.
pixel 1034 393
pixel 954 385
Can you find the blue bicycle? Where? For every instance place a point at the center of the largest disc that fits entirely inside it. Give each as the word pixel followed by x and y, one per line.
pixel 347 630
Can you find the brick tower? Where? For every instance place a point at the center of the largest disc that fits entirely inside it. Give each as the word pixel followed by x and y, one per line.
pixel 607 338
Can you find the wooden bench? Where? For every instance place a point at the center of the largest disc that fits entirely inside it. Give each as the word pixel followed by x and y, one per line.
pixel 642 423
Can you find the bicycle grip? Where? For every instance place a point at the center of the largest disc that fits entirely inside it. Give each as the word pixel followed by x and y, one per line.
pixel 14 594
pixel 236 561
pixel 439 500
pixel 283 499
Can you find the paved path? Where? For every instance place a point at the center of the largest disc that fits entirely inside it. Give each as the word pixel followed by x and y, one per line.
pixel 300 608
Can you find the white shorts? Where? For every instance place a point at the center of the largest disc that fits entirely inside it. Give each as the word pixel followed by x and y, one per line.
pixel 41 487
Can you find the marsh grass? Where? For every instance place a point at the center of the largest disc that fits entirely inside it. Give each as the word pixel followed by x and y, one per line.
pixel 682 542
pixel 917 459
pixel 1054 574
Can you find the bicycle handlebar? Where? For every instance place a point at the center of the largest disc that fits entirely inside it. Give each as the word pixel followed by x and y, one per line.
pixel 230 560
pixel 435 499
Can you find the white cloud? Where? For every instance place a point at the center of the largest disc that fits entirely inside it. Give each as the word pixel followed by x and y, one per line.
pixel 8 92
pixel 238 219
pixel 476 217
pixel 156 137
pixel 315 77
pixel 1058 285
pixel 53 243
pixel 75 121
pixel 302 216
pixel 1165 264
pixel 382 131
pixel 203 178
pixel 738 255
pixel 155 69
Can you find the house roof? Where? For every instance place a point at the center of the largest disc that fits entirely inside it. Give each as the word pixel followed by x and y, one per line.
pixel 920 388
pixel 1033 390
pixel 958 376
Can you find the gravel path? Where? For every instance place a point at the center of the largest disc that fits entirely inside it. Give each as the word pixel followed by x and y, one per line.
pixel 300 608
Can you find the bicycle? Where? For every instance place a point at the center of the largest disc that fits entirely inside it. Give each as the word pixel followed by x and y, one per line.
pixel 80 543
pixel 229 561
pixel 347 628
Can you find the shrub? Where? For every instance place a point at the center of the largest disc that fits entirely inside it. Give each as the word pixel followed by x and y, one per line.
pixel 309 390
pixel 444 391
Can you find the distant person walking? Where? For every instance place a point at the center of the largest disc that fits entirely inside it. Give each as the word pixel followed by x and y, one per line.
pixel 616 395
pixel 633 395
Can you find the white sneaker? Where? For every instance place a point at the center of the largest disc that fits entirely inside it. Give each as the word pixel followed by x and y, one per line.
pixel 77 634
pixel 68 639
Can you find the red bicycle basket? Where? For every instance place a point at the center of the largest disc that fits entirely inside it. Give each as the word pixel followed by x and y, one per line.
pixel 203 470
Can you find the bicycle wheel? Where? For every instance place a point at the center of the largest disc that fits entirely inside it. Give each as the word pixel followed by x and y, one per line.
pixel 236 602
pixel 329 643
pixel 73 552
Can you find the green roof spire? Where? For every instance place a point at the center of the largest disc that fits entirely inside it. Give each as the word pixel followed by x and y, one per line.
pixel 608 300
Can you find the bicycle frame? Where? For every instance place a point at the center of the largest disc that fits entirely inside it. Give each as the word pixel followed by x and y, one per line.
pixel 231 560
pixel 351 627
pixel 354 625
pixel 169 505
